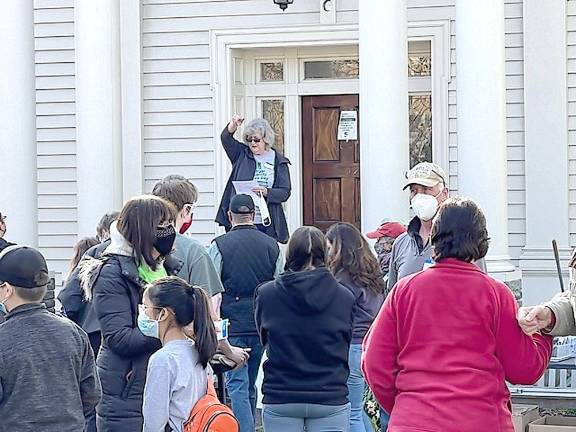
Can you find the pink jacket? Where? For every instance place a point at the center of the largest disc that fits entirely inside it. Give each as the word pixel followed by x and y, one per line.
pixel 443 345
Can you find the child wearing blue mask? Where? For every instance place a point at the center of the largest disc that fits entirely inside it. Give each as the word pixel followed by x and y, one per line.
pixel 177 376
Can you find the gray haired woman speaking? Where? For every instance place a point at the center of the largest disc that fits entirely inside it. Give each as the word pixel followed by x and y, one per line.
pixel 256 159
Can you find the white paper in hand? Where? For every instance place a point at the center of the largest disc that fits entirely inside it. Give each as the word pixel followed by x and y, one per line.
pixel 245 187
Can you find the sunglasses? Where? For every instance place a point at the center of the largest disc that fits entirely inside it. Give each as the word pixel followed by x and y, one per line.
pixel 253 140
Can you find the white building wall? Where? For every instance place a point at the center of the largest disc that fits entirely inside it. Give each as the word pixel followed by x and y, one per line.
pixel 571 55
pixel 56 135
pixel 515 127
pixel 178 106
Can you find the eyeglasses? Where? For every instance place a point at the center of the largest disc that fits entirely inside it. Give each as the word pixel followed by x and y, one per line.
pixel 143 307
pixel 190 208
pixel 253 140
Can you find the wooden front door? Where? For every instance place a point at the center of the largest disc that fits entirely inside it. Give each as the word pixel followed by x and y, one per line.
pixel 331 175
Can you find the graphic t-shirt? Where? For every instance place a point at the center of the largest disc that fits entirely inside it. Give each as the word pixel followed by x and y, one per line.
pixel 264 175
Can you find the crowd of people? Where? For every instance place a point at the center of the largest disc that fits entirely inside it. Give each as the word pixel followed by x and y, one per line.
pixel 354 337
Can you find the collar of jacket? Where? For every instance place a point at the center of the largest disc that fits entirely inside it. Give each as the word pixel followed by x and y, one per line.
pixel 414 232
pixel 458 264
pixel 130 270
pixel 243 227
pixel 25 308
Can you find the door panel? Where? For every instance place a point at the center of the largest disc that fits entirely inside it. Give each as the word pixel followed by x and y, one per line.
pixel 331 168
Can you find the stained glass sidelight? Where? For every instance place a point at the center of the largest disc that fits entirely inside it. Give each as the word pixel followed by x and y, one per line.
pixel 272 71
pixel 420 129
pixel 420 65
pixel 331 69
pixel 273 111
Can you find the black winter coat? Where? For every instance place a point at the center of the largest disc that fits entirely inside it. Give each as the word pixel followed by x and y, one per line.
pixel 72 297
pixel 243 169
pixel 123 359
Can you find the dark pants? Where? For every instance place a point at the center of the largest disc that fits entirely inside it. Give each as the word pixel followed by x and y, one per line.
pixel 241 383
pixel 95 342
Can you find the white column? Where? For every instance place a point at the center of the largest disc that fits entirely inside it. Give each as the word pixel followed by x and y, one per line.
pixel 98 111
pixel 18 196
pixel 384 153
pixel 481 107
pixel 546 149
pixel 131 83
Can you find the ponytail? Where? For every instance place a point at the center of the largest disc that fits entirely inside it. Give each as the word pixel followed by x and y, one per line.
pixel 204 331
pixel 189 304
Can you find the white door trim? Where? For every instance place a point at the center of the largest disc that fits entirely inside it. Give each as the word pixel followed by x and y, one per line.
pixel 223 42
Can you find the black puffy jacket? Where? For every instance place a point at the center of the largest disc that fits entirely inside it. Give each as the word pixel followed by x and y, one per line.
pixel 116 291
pixel 72 297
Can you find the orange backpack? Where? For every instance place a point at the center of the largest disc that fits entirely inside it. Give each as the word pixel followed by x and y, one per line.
pixel 209 415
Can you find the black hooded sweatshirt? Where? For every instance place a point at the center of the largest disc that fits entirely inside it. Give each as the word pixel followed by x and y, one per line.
pixel 305 321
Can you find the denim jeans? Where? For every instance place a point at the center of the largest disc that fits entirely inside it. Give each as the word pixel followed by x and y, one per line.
pixel 384 419
pixel 356 385
pixel 298 417
pixel 241 383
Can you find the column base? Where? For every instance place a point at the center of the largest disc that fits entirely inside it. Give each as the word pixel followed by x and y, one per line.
pixel 540 276
pixel 501 267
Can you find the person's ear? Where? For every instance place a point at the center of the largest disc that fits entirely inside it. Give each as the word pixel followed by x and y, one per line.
pixel 9 289
pixel 229 215
pixel 184 214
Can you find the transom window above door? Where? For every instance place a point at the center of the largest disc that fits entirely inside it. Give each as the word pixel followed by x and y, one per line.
pixel 268 83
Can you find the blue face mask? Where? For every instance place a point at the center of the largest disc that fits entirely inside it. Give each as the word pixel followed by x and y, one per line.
pixel 148 326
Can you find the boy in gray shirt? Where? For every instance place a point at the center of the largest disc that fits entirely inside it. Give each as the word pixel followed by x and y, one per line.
pixel 48 378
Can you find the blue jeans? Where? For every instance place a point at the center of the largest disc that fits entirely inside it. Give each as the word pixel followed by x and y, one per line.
pixel 356 385
pixel 384 419
pixel 241 383
pixel 298 417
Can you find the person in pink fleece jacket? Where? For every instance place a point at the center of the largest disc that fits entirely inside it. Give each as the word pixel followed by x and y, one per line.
pixel 446 340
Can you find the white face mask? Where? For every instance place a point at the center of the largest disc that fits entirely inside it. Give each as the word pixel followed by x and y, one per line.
pixel 424 206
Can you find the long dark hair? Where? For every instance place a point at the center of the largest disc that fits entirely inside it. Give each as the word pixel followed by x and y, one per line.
pixel 306 248
pixel 138 222
pixel 80 249
pixel 351 253
pixel 189 304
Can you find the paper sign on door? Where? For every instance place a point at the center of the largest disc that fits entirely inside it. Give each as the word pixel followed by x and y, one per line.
pixel 348 125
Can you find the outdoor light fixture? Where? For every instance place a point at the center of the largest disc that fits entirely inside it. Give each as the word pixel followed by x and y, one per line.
pixel 283 3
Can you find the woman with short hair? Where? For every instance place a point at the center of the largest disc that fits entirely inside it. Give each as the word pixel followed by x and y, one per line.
pixel 446 339
pixel 256 159
pixel 304 319
pixel 139 253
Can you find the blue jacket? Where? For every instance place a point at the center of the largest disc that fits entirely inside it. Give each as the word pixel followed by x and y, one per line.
pixel 243 169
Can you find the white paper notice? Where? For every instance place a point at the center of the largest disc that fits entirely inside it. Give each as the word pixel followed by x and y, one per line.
pixel 348 125
pixel 245 187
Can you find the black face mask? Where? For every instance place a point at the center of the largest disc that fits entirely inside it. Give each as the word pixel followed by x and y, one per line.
pixel 165 237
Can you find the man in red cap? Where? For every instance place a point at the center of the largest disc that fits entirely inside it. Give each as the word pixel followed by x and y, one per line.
pixel 385 235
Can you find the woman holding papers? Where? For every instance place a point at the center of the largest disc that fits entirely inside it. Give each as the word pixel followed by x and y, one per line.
pixel 260 170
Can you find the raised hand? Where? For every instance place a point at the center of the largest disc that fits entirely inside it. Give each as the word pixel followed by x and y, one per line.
pixel 235 123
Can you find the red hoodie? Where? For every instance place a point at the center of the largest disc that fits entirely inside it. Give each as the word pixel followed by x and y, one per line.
pixel 443 345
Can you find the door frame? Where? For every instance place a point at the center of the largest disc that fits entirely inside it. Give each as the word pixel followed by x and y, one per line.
pixel 228 45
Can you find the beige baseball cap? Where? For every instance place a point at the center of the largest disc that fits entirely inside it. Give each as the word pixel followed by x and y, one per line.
pixel 426 174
